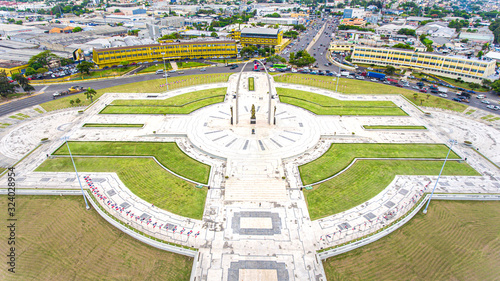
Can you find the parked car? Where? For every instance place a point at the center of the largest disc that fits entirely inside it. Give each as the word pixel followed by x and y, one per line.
pixel 423 90
pixel 234 66
pixel 457 99
pixel 485 101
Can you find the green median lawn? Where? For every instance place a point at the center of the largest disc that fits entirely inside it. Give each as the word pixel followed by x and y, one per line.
pixel 367 178
pixel 323 105
pixel 393 127
pixel 251 85
pixel 102 125
pixel 455 240
pixel 150 86
pixel 167 153
pixel 351 86
pixel 155 67
pixel 340 155
pixel 145 178
pixel 182 104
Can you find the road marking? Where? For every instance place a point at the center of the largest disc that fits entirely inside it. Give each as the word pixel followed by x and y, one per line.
pixel 43 89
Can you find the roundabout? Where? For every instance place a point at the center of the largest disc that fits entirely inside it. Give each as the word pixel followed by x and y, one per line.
pixel 251 216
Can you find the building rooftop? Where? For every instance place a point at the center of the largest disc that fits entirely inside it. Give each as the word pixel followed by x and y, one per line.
pixel 187 42
pixel 260 31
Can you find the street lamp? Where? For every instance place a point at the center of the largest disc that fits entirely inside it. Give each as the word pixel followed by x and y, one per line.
pixel 337 87
pixel 74 166
pixel 165 71
pixel 452 142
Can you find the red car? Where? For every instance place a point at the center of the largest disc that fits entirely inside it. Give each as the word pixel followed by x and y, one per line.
pixel 399 85
pixel 423 90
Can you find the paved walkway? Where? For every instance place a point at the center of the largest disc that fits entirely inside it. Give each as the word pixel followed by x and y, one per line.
pixel 256 222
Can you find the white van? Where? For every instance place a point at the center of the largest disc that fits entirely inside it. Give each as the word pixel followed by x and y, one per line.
pixel 159 71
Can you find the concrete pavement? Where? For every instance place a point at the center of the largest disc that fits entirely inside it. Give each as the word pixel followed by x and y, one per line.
pixel 256 220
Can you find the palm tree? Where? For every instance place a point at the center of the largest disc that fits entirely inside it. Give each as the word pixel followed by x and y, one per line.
pixel 421 101
pixel 428 95
pixel 415 96
pixel 90 93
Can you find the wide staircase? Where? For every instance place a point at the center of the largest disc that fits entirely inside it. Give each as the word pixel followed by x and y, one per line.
pixel 255 189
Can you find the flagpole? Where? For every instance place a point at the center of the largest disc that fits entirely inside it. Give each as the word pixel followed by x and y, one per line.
pixel 452 142
pixel 74 166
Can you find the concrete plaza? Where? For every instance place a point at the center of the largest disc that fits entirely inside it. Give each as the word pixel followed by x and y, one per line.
pixel 256 224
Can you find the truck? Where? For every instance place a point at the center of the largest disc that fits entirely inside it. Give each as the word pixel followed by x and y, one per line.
pixel 442 90
pixel 392 80
pixel 377 75
pixel 71 90
pixel 344 73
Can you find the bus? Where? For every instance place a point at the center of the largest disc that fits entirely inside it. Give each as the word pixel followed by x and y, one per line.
pixel 279 66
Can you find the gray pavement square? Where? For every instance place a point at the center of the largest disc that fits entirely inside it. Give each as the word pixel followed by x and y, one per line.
pixel 369 216
pixel 125 205
pixel 21 179
pixel 246 145
pixel 275 218
pixel 389 204
pixel 70 179
pixel 275 142
pixel 443 183
pixel 45 179
pixel 403 191
pixel 344 225
pixel 145 216
pixel 469 183
pixel 261 145
pixel 98 180
pixel 111 192
pixel 234 269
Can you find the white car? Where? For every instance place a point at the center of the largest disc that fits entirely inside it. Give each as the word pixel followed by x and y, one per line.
pixel 373 80
pixel 203 69
pixel 490 106
pixel 294 70
pixel 481 96
pixel 415 87
pixel 443 95
pixel 485 101
pixel 272 70
pixel 166 75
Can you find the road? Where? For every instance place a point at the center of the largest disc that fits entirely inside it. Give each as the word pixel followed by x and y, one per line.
pixel 319 50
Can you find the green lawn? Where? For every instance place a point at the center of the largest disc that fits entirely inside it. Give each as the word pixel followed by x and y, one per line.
pixel 190 64
pixel 145 178
pixel 167 153
pixel 340 155
pixel 323 105
pixel 57 239
pixel 100 125
pixel 151 86
pixel 455 240
pixel 118 71
pixel 181 104
pixel 393 127
pixel 154 68
pixel 350 86
pixel 367 178
pixel 251 85
pixel 2 170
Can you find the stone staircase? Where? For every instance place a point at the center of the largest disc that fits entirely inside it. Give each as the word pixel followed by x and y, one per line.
pixel 256 190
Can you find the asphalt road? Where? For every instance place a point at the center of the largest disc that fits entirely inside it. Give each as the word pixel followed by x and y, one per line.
pixel 318 51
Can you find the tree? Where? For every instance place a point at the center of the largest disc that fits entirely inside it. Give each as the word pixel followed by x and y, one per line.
pixel 480 54
pixel 415 96
pixel 30 71
pixel 407 31
pixel 124 63
pixel 77 101
pixel 41 70
pixel 390 70
pixel 117 11
pixel 474 86
pixel 302 58
pixel 496 86
pixel 23 82
pixel 77 29
pixel 90 93
pixel 43 59
pixel 421 101
pixel 6 88
pixel 428 95
pixel 214 34
pixel 84 67
pixel 71 102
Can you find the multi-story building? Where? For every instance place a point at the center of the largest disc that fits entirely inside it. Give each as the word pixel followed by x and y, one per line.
pixel 469 69
pixel 353 13
pixel 171 51
pixel 261 37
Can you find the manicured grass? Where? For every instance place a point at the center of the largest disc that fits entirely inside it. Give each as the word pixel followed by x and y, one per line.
pixel 323 105
pixel 151 86
pixel 340 155
pixel 251 85
pixel 154 68
pixel 167 153
pixel 470 111
pixel 367 178
pixel 118 71
pixel 225 60
pixel 145 178
pixel 2 169
pixel 59 240
pixel 190 64
pixel 39 110
pixel 350 86
pixel 393 127
pixel 182 104
pixel 455 240
pixel 487 116
pixel 98 125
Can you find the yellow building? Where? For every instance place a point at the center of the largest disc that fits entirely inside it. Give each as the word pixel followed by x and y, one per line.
pixel 470 70
pixel 171 51
pixel 261 37
pixel 13 67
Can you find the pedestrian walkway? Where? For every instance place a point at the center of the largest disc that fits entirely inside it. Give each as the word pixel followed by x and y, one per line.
pixel 256 222
pixel 174 65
